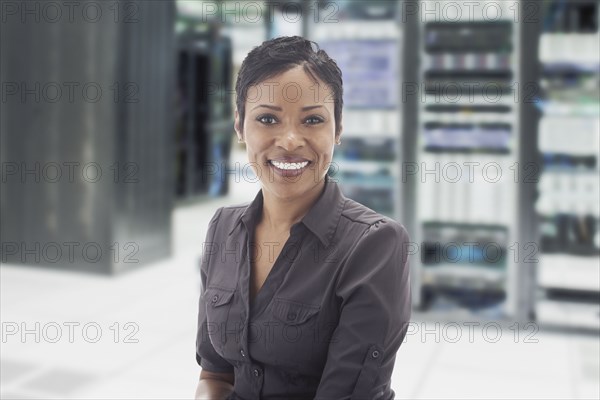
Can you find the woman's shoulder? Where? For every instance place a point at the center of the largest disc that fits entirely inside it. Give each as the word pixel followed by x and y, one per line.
pixel 226 217
pixel 233 210
pixel 356 216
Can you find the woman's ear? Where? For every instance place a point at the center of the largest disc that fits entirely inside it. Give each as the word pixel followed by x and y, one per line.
pixel 236 126
pixel 338 134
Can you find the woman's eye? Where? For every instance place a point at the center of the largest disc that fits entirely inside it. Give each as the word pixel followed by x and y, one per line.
pixel 315 120
pixel 265 119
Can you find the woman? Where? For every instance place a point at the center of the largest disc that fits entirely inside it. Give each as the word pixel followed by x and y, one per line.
pixel 305 292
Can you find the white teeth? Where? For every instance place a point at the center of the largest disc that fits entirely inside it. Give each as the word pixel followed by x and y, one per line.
pixel 282 165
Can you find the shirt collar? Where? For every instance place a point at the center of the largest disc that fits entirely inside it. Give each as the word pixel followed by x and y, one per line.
pixel 322 219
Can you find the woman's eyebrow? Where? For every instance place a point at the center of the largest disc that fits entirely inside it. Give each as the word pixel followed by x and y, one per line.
pixel 279 108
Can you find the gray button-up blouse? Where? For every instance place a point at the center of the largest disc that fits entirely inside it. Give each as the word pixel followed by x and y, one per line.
pixel 331 315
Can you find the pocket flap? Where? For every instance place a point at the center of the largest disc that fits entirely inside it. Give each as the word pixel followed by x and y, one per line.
pixel 293 312
pixel 217 297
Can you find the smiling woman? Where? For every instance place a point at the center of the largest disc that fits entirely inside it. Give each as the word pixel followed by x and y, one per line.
pixel 286 140
pixel 305 293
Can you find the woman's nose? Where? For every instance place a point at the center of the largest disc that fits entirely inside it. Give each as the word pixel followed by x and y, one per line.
pixel 290 139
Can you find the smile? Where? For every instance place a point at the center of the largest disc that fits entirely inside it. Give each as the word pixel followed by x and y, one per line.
pixel 288 169
pixel 288 166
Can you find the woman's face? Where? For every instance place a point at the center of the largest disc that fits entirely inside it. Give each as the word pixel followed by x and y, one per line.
pixel 289 130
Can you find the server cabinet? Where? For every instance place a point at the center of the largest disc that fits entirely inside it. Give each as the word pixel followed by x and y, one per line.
pixel 205 117
pixel 567 146
pixel 366 43
pixel 466 163
pixel 86 128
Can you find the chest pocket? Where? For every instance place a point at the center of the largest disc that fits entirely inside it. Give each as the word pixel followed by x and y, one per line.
pixel 295 342
pixel 218 297
pixel 293 313
pixel 218 304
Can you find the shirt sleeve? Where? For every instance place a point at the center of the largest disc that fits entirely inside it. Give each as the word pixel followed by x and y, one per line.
pixel 374 288
pixel 206 356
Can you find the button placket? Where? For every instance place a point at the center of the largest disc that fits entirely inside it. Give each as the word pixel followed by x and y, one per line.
pixel 288 255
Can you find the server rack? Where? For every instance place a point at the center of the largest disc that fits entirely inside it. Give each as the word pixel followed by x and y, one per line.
pixel 92 189
pixel 204 120
pixel 568 201
pixel 467 150
pixel 366 41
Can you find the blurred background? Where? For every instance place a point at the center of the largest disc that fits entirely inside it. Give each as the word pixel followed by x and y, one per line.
pixel 473 123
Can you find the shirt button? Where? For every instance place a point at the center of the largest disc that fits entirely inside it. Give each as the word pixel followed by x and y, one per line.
pixel 215 298
pixel 375 354
pixel 291 316
pixel 242 353
pixel 256 372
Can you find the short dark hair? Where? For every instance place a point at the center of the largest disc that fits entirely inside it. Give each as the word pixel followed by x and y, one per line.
pixel 278 55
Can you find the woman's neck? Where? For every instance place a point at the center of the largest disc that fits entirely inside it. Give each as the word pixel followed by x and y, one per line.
pixel 278 215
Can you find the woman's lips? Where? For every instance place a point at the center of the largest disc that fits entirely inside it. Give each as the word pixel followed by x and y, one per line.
pixel 288 172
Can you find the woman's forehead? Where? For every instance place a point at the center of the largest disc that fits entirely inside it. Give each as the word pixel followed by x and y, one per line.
pixel 290 87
